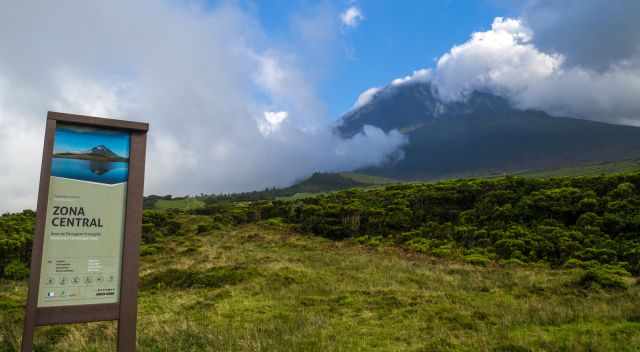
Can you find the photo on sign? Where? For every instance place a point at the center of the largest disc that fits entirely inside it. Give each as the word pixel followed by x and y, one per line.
pixel 88 154
pixel 84 223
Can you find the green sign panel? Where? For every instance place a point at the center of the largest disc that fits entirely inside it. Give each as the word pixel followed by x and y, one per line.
pixel 84 226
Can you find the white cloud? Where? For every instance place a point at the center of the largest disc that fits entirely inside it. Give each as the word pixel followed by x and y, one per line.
pixel 505 60
pixel 199 76
pixel 271 121
pixel 368 143
pixel 275 118
pixel 352 16
pixel 502 58
pixel 365 97
pixel 421 75
pixel 271 76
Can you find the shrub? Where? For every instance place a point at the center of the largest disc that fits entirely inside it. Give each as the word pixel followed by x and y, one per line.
pixel 509 248
pixel 203 228
pixel 589 219
pixel 174 228
pixel 421 245
pixel 610 277
pixel 624 190
pixel 16 270
pixel 573 263
pixel 146 250
pixel 511 262
pixel 477 259
pixel 150 233
pixel 444 251
pixel 374 241
pixel 274 222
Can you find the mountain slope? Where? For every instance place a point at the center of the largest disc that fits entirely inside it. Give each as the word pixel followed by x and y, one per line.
pixel 483 135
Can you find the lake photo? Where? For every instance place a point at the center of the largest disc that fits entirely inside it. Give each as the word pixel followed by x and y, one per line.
pixel 90 170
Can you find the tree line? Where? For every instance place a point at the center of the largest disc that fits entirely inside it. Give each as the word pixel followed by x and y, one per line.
pixel 569 221
pixel 558 221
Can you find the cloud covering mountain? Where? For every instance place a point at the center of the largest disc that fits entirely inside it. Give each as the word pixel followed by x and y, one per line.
pixel 230 108
pixel 575 58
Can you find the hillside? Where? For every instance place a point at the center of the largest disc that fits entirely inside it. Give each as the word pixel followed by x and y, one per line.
pixel 587 169
pixel 266 287
pixel 318 182
pixel 483 135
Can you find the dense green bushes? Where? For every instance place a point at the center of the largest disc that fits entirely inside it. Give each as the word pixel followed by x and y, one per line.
pixel 16 236
pixel 562 222
pixel 605 276
pixel 588 219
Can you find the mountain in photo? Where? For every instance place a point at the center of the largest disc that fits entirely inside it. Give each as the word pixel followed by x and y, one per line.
pixel 482 135
pixel 97 153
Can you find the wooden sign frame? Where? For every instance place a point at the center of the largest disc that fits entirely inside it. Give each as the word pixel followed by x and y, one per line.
pixel 125 311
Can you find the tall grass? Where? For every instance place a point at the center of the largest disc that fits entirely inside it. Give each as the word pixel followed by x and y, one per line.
pixel 276 290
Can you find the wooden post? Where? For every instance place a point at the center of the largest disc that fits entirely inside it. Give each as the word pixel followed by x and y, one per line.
pixel 38 239
pixel 130 258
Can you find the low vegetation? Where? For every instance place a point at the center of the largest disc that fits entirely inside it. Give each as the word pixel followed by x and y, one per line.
pixel 589 169
pixel 266 287
pixel 507 264
pixel 16 238
pixel 579 221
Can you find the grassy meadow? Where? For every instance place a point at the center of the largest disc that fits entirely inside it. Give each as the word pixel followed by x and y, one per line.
pixel 507 264
pixel 266 287
pixel 181 203
pixel 592 169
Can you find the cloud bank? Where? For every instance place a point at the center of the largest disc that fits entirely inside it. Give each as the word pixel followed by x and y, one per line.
pixel 577 58
pixel 229 108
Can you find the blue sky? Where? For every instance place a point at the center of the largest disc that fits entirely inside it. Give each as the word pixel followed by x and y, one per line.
pixel 68 139
pixel 394 38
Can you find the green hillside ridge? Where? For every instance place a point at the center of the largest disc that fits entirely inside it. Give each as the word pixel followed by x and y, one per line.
pixel 580 169
pixel 503 264
pixel 320 183
pixel 185 203
pixel 368 179
pixel 589 169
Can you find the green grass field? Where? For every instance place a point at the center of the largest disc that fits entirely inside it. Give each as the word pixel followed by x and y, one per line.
pixel 368 179
pixel 182 203
pixel 266 287
pixel 587 170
